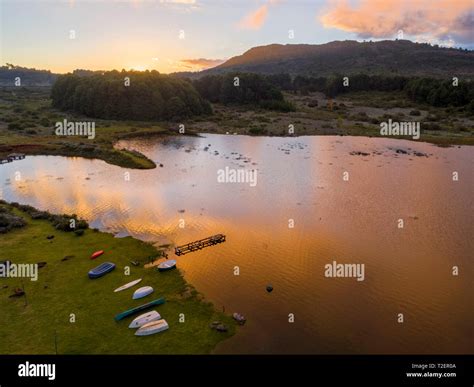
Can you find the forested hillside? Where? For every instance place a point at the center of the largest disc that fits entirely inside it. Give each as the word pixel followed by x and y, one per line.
pixel 388 57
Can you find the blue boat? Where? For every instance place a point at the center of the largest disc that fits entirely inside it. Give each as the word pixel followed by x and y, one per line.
pixel 101 270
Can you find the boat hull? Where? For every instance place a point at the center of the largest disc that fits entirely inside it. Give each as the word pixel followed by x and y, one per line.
pixel 152 328
pixel 101 270
pixel 137 309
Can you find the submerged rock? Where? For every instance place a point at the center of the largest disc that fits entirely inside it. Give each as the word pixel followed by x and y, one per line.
pixel 359 153
pixel 420 154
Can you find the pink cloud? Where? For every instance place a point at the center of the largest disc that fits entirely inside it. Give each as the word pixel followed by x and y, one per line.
pixel 436 19
pixel 255 19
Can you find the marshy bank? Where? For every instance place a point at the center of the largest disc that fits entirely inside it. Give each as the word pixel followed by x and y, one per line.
pixel 27 121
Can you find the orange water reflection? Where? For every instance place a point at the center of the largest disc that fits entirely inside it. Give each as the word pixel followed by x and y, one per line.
pixel 407 271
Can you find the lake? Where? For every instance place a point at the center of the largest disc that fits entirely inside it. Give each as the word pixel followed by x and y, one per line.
pixel 316 200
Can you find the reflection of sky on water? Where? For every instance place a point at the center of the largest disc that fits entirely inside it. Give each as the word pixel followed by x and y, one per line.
pixel 300 179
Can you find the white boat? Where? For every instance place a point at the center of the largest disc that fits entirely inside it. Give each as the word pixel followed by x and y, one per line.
pixel 145 319
pixel 167 265
pixel 142 292
pixel 152 328
pixel 126 286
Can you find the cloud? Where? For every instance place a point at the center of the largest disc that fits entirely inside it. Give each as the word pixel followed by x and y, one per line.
pixel 200 63
pixel 256 19
pixel 432 19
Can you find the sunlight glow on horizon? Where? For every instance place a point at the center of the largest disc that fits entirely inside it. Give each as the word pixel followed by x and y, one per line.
pixel 145 34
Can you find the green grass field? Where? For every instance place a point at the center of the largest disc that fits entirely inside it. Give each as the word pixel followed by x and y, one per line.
pixel 28 325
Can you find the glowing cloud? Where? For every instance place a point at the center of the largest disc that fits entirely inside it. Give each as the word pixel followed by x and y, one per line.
pixel 255 19
pixel 201 63
pixel 435 19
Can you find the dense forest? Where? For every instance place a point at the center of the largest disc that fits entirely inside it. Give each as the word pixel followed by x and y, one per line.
pixel 130 95
pixel 242 88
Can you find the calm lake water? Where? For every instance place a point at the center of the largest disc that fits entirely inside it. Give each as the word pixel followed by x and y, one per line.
pixel 407 270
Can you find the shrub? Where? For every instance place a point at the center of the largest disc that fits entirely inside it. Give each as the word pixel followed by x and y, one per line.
pixel 431 126
pixel 15 126
pixel 257 131
pixel 282 106
pixel 9 221
pixel 45 122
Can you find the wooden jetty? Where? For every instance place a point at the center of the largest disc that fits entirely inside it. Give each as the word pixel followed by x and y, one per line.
pixel 200 244
pixel 11 157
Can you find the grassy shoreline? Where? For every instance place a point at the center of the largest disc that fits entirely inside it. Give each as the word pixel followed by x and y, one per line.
pixel 29 325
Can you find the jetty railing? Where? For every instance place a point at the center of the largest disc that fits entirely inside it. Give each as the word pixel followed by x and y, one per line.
pixel 200 244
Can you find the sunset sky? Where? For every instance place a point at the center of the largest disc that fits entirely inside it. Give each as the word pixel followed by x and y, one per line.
pixel 189 35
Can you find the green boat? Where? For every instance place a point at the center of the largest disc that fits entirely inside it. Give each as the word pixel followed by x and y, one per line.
pixel 129 312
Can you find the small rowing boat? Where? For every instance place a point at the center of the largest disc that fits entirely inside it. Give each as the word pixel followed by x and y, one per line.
pixel 142 292
pixel 137 309
pixel 145 318
pixel 101 270
pixel 152 328
pixel 167 265
pixel 97 254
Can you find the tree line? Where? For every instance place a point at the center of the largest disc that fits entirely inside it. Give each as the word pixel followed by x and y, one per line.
pixel 11 75
pixel 432 91
pixel 130 95
pixel 153 96
pixel 242 88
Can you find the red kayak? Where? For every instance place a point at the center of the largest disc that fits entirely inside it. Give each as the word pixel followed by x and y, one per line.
pixel 97 254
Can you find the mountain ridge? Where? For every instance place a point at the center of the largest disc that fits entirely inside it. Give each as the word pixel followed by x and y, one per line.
pixel 398 57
